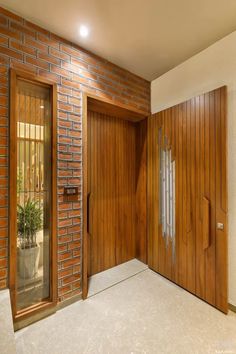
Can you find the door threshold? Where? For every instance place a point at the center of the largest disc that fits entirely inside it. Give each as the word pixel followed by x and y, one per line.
pixel 110 277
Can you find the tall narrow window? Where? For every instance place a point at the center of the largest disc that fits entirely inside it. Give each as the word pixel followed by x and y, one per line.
pixel 33 206
pixel 166 191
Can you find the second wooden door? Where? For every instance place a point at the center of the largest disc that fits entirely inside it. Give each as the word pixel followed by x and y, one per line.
pixel 112 188
pixel 187 196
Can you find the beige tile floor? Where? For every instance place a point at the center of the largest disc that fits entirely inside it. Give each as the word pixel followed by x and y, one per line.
pixel 7 340
pixel 142 314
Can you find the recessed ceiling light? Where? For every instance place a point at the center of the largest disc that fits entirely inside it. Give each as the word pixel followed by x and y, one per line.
pixel 42 107
pixel 83 30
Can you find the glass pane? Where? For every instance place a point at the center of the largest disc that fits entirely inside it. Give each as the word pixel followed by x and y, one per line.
pixel 166 191
pixel 33 193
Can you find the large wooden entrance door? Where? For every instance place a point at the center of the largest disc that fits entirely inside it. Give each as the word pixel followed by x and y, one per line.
pixel 187 196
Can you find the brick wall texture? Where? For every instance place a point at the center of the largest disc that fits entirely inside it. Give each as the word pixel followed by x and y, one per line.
pixel 28 47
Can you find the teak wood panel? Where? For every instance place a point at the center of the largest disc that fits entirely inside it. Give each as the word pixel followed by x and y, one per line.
pixel 141 191
pixel 108 108
pixel 35 79
pixel 116 191
pixel 197 134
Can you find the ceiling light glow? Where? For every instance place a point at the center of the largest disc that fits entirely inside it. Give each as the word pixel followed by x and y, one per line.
pixel 83 30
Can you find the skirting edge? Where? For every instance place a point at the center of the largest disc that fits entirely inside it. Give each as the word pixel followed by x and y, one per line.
pixel 232 307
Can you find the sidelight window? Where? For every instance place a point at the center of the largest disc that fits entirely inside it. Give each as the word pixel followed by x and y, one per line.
pixel 32 203
pixel 33 193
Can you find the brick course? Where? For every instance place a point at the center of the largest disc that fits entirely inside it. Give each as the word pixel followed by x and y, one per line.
pixel 25 46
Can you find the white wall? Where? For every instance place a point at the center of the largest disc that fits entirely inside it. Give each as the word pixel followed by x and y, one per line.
pixel 211 68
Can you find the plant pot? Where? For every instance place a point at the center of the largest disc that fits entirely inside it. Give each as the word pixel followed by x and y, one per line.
pixel 28 262
pixel 41 254
pixel 40 242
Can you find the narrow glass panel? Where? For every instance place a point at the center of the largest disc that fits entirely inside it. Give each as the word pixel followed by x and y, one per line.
pixel 33 193
pixel 166 192
pixel 173 210
pixel 171 198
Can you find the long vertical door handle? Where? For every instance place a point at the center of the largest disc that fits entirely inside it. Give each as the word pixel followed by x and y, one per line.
pixel 206 222
pixel 88 213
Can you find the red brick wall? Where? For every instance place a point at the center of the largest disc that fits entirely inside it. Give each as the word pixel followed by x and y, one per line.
pixel 25 46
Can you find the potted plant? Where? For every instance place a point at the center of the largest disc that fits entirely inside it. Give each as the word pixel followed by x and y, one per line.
pixel 29 221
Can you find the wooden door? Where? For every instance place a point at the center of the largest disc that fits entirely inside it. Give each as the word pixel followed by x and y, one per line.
pixel 187 196
pixel 111 191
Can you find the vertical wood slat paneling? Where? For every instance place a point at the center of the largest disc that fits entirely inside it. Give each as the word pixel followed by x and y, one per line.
pixel 151 202
pixel 117 183
pixel 141 191
pixel 196 131
pixel 179 207
pixel 102 235
pixel 168 253
pixel 210 178
pixel 156 162
pixel 200 255
pixel 192 199
pixel 198 162
pixel 154 244
pixel 125 177
pixel 183 269
pixel 176 154
pixel 221 201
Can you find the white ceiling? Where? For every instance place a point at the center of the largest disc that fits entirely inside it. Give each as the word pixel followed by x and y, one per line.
pixel 147 37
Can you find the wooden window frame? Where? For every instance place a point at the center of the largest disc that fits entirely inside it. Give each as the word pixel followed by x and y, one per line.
pixel 52 301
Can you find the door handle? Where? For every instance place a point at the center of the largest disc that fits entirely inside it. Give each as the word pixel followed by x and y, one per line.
pixel 206 222
pixel 88 213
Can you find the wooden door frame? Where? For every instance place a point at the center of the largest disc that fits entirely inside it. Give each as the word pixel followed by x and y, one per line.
pixel 123 112
pixel 52 301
